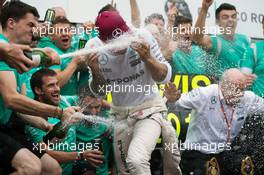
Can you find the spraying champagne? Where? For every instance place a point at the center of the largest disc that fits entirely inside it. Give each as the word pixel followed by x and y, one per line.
pixel 39 57
pixel 59 131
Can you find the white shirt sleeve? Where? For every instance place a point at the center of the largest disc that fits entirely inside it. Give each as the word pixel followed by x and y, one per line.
pixel 189 101
pixel 94 43
pixel 256 105
pixel 156 53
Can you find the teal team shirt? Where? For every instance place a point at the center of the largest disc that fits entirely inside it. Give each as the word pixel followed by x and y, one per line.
pixel 79 78
pixel 229 53
pixel 36 135
pixel 88 134
pixel 253 62
pixel 5 113
pixel 189 63
pixel 77 134
pixel 71 87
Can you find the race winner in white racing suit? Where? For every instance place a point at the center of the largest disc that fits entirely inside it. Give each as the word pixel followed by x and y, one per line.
pixel 131 75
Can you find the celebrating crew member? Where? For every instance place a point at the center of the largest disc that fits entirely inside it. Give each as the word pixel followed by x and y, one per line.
pixel 18 19
pixel 228 46
pixel 218 113
pixel 44 84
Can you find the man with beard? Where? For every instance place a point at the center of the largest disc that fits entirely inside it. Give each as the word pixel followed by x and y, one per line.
pixel 218 113
pixel 18 20
pixel 228 46
pixel 142 115
pixel 44 84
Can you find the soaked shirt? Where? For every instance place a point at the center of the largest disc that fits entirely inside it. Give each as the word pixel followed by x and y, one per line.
pixel 189 63
pixel 129 79
pixel 36 135
pixel 208 129
pixel 229 53
pixel 253 62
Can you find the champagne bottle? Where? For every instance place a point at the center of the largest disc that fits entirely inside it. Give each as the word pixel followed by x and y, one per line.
pixel 59 131
pixel 39 57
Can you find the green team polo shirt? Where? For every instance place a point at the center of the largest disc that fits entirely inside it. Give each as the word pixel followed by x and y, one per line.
pixel 189 63
pixel 77 79
pixel 253 62
pixel 86 134
pixel 36 135
pixel 229 53
pixel 5 113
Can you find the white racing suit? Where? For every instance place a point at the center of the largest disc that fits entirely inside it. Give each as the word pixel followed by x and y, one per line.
pixel 136 135
pixel 131 84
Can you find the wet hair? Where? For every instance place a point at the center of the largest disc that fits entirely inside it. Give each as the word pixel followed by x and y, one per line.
pixel 107 7
pixel 154 16
pixel 37 78
pixel 181 20
pixel 224 6
pixel 16 10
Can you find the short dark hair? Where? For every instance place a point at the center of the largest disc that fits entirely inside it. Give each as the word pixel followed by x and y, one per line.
pixel 16 10
pixel 154 16
pixel 61 20
pixel 107 7
pixel 224 6
pixel 37 77
pixel 181 20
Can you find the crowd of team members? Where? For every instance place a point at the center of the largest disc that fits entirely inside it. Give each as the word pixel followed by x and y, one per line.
pixel 34 99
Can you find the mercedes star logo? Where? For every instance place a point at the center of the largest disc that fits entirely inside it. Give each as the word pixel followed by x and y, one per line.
pixel 117 33
pixel 103 60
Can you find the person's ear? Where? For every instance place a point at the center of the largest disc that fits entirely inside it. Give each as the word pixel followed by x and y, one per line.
pixel 38 91
pixel 11 23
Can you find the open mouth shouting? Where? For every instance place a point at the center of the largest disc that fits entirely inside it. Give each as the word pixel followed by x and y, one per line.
pixel 55 97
